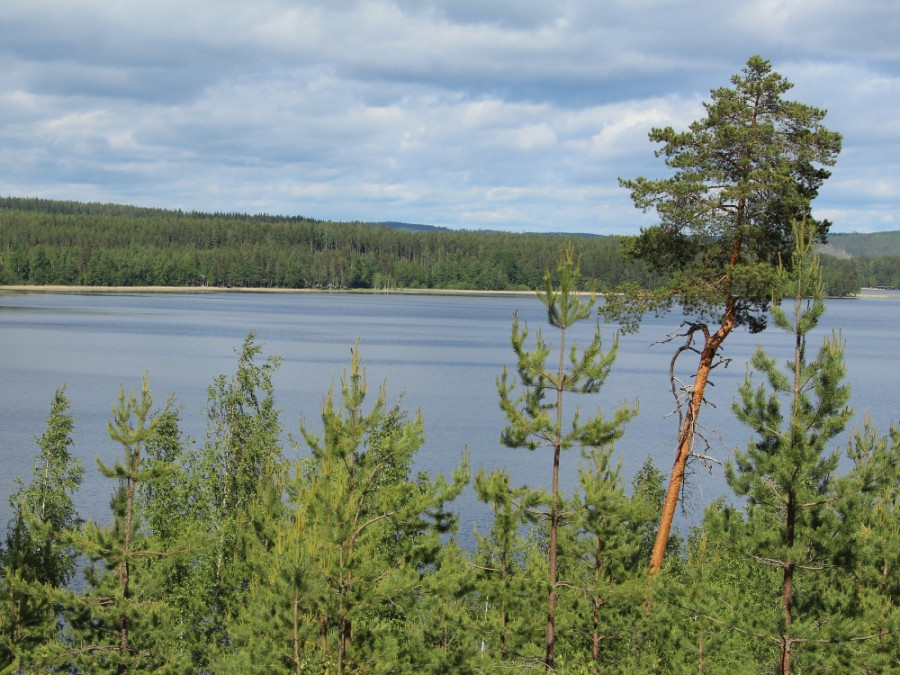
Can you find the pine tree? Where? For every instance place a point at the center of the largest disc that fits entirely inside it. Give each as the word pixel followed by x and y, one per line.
pixel 537 416
pixel 869 510
pixel 601 572
pixel 742 175
pixel 787 473
pixel 115 624
pixel 438 634
pixel 508 572
pixel 370 530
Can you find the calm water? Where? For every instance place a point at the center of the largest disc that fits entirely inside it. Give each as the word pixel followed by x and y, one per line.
pixel 442 354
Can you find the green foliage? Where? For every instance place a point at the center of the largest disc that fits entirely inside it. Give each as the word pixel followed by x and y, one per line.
pixel 787 473
pixel 823 544
pixel 50 242
pixel 741 176
pixel 841 278
pixel 228 558
pixel 116 625
pixel 96 244
pixel 605 582
pixel 509 572
pixel 44 508
pixel 244 438
pixel 869 245
pixel 229 506
pixel 368 531
pixel 536 417
pixel 869 516
pixel 37 559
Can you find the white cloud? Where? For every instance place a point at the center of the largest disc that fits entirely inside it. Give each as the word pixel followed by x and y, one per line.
pixel 514 114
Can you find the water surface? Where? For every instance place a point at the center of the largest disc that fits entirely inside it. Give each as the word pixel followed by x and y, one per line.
pixel 441 354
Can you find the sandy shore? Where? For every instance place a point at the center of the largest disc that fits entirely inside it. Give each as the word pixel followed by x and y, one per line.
pixel 213 289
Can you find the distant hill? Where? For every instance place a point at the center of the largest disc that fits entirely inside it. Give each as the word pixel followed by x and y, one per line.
pixel 412 227
pixel 857 245
pixel 840 245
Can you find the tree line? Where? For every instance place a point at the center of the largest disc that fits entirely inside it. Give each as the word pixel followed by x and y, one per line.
pixel 45 242
pixel 70 243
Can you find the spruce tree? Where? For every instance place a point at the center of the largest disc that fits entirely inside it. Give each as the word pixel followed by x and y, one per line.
pixel 537 416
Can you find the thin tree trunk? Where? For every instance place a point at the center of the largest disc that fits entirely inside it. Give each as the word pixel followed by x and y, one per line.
pixel 126 570
pixel 787 591
pixel 787 587
pixel 595 646
pixel 554 509
pixel 503 622
pixel 554 572
pixel 323 635
pixel 295 632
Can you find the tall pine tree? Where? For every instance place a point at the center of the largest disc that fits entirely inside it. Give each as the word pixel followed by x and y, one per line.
pixel 741 176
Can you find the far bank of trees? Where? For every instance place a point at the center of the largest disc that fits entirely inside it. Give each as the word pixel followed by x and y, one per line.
pixel 44 242
pixel 70 243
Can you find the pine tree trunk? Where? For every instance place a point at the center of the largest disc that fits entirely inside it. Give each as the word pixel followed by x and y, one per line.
pixel 554 508
pixel 595 646
pixel 787 590
pixel 126 571
pixel 554 572
pixel 686 437
pixel 295 633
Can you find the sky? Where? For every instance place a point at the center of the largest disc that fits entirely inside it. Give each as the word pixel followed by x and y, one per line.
pixel 516 115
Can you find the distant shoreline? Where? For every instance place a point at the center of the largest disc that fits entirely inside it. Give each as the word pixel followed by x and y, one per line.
pixel 215 289
pixel 864 292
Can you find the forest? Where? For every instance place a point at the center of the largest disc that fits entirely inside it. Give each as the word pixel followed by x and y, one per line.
pixel 239 553
pixel 71 243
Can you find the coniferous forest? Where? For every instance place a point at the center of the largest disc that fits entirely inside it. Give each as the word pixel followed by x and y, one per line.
pixel 240 554
pixel 71 243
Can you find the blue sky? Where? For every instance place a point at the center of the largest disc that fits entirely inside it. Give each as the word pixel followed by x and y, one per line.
pixel 517 115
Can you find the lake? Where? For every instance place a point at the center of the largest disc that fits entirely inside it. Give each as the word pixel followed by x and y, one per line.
pixel 440 353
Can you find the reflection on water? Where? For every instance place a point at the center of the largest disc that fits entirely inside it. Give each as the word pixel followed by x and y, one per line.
pixel 439 353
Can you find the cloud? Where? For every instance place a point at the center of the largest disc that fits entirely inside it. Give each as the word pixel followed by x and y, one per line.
pixel 514 114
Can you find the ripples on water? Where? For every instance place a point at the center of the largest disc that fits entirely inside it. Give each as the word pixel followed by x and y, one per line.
pixel 439 353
